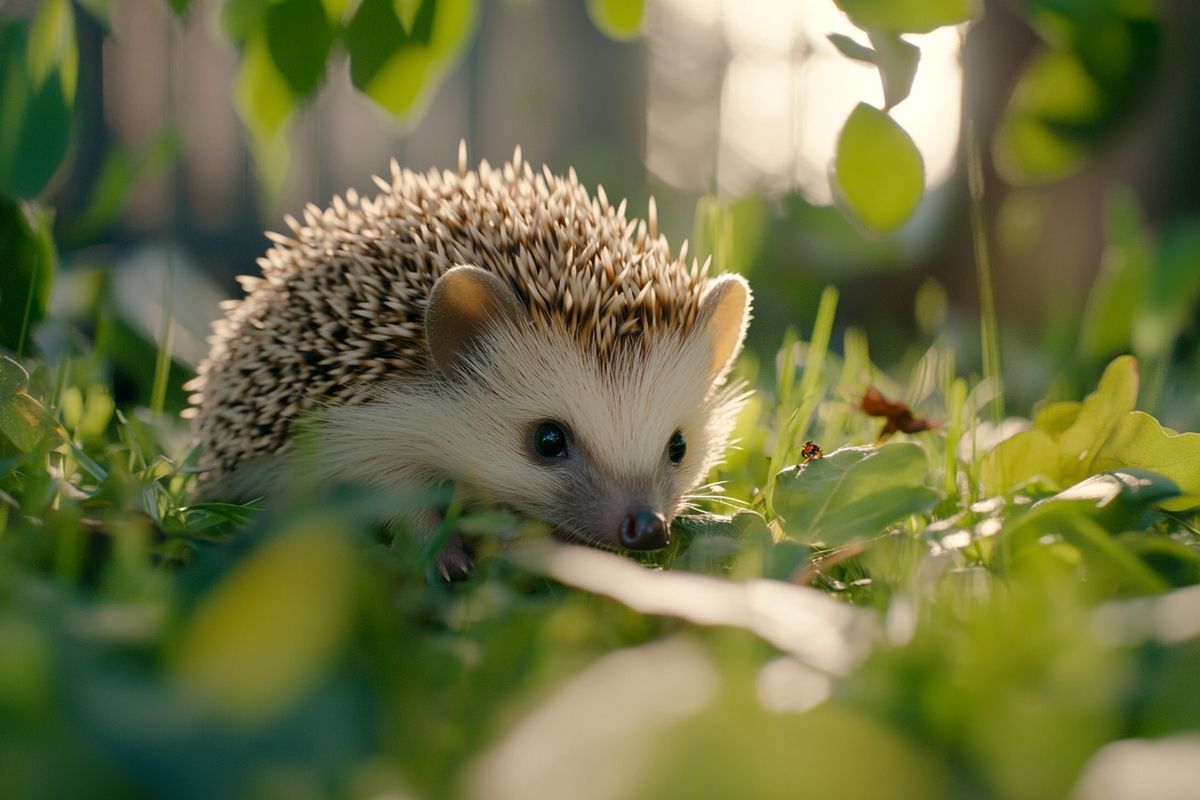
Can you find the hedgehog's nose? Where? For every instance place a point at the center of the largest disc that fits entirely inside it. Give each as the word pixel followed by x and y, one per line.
pixel 644 530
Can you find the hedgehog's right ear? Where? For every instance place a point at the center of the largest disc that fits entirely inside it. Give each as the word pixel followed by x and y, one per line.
pixel 724 315
pixel 465 304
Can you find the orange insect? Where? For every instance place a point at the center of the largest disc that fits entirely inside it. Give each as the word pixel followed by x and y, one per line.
pixel 899 417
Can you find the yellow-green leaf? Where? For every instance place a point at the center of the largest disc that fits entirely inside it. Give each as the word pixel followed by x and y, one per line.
pixel 1138 440
pixel 617 19
pixel 52 46
pixel 264 637
pixel 879 171
pixel 264 98
pixel 907 16
pixel 1022 459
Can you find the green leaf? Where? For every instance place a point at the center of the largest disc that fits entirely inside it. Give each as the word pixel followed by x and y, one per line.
pixel 1172 293
pixel 299 36
pixel 1114 498
pixel 1036 141
pixel 854 492
pixel 26 270
pixel 260 641
pixel 1018 461
pixel 879 171
pixel 52 47
pixel 907 16
pixel 23 420
pixel 1065 437
pixel 398 66
pixel 35 118
pixel 896 60
pixel 1138 441
pixel 1118 291
pixel 180 7
pixel 617 19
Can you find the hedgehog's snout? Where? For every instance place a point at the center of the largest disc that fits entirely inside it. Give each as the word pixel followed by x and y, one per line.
pixel 643 529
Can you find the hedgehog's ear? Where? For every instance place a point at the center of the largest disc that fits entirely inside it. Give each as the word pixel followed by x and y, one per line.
pixel 465 304
pixel 724 315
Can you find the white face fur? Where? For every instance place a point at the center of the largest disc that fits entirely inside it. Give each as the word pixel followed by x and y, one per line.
pixel 504 382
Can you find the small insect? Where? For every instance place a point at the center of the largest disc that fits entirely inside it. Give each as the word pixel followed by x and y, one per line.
pixel 899 417
pixel 811 452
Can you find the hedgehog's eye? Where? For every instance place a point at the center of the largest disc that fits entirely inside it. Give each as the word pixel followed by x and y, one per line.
pixel 550 440
pixel 676 447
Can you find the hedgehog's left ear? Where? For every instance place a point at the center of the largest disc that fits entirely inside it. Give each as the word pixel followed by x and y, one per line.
pixel 466 304
pixel 724 315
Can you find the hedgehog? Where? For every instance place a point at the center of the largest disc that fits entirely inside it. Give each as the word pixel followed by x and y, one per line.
pixel 500 329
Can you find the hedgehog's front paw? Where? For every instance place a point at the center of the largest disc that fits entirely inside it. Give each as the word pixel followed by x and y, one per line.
pixel 453 563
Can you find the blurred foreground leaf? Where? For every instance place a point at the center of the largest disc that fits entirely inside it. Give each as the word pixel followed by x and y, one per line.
pixel 853 492
pixel 879 171
pixel 895 58
pixel 23 420
pixel 262 638
pixel 26 269
pixel 907 16
pixel 35 114
pixel 617 19
pixel 399 65
pixel 299 36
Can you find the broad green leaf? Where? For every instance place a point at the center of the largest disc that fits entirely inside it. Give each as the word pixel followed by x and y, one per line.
pixel 36 122
pixel 23 420
pixel 907 16
pixel 853 492
pixel 261 640
pixel 1137 440
pixel 26 270
pixel 299 36
pixel 879 171
pixel 1018 461
pixel 1065 437
pixel 896 60
pixel 52 47
pixel 241 19
pixel 1114 498
pixel 1115 396
pixel 617 19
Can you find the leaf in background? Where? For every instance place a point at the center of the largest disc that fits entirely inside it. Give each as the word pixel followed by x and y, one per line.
pixel 180 7
pixel 262 639
pixel 1074 93
pixel 853 492
pixel 240 19
pixel 1055 97
pixel 1139 441
pixel 907 16
pixel 299 36
pixel 1019 460
pixel 26 269
pixel 1171 294
pixel 23 420
pixel 617 19
pixel 896 60
pixel 1117 293
pixel 36 121
pixel 879 171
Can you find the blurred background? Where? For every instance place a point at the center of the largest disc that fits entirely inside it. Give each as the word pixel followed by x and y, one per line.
pixel 728 113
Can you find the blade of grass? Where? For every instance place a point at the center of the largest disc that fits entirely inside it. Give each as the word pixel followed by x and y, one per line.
pixel 162 361
pixel 988 323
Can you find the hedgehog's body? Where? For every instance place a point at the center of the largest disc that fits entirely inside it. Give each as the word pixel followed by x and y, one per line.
pixel 461 326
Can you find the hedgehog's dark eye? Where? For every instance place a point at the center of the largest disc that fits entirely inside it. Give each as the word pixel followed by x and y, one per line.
pixel 550 440
pixel 677 447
